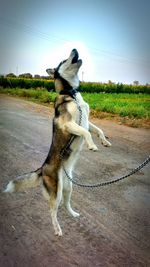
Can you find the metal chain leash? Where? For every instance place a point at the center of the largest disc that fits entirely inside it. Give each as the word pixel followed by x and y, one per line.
pixel 80 110
pixel 115 180
pixel 142 165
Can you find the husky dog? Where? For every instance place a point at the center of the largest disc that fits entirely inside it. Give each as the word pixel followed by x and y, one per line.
pixel 63 153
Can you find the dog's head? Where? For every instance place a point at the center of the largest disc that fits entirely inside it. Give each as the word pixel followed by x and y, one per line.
pixel 66 74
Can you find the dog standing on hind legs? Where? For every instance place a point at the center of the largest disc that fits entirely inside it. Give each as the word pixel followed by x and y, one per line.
pixel 67 141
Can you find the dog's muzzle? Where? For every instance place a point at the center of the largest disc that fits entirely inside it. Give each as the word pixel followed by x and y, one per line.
pixel 75 57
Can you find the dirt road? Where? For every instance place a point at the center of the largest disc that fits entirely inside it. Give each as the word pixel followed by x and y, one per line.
pixel 114 225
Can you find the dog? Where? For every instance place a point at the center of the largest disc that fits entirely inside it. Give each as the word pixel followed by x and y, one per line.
pixel 67 141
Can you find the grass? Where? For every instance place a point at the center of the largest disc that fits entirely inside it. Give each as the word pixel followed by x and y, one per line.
pixel 134 107
pixel 39 94
pixel 130 105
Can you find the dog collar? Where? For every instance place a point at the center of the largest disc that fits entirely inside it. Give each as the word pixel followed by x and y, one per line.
pixel 71 92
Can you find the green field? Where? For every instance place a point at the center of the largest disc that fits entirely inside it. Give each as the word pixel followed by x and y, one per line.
pixel 131 105
pixel 124 105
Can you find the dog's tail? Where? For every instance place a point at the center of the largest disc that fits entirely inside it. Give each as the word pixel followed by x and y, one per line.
pixel 24 181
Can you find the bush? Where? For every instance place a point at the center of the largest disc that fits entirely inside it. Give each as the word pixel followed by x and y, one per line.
pixel 88 87
pixel 6 82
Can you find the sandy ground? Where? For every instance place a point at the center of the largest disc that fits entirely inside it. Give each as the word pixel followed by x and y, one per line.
pixel 113 228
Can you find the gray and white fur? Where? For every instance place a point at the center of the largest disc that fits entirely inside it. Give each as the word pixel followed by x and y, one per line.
pixel 65 125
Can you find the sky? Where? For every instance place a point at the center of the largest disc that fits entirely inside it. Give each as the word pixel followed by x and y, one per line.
pixel 112 37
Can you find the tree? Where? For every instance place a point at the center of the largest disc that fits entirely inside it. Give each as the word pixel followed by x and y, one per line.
pixel 37 76
pixel 10 75
pixel 136 82
pixel 110 82
pixel 25 75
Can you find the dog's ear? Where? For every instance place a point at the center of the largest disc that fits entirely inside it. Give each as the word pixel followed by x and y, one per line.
pixel 51 73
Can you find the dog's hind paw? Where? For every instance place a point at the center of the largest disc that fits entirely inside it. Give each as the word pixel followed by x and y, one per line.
pixel 10 187
pixel 75 214
pixel 58 231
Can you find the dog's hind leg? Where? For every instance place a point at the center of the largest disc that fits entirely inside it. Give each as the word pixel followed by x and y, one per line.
pixel 67 191
pixel 55 195
pixel 54 203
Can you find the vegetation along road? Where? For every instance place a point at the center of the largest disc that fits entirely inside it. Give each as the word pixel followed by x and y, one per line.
pixel 129 109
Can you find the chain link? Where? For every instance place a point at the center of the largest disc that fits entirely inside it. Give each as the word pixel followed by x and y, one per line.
pixel 80 110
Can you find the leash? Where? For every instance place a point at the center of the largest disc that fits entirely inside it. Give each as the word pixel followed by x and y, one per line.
pixel 114 180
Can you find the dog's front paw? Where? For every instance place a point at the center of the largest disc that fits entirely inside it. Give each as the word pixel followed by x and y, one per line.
pixel 106 143
pixel 93 147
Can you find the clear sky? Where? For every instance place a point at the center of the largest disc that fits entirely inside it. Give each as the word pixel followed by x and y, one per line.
pixel 112 36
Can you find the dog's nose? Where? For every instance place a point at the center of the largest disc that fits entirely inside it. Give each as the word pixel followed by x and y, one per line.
pixel 74 50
